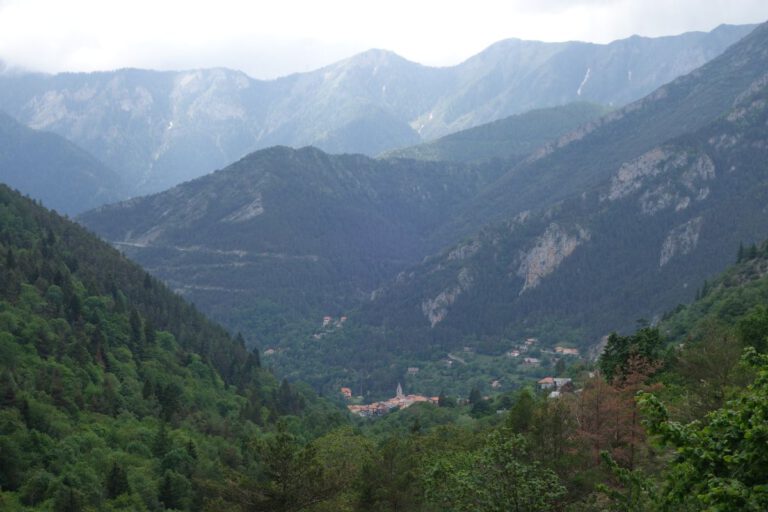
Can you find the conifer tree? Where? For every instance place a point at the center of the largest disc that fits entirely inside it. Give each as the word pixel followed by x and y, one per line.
pixel 117 481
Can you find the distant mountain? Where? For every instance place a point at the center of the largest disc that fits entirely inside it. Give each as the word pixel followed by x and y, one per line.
pixel 591 154
pixel 515 76
pixel 53 170
pixel 161 128
pixel 295 233
pixel 511 138
pixel 619 221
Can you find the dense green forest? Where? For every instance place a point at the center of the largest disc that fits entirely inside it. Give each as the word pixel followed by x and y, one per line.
pixel 117 395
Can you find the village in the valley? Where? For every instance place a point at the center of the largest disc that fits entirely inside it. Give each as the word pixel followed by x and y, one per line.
pixel 399 401
pixel 529 354
pixel 554 386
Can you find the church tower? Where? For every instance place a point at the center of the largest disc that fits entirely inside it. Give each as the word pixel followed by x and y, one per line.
pixel 399 391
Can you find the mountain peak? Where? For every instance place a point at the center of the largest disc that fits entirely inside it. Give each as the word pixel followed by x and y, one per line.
pixel 376 57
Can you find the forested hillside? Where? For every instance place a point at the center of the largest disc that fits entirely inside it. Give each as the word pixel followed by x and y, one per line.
pixel 116 394
pixel 655 425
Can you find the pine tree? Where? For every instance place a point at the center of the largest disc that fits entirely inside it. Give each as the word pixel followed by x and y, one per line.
pixel 117 481
pixel 475 396
pixel 752 253
pixel 149 333
pixel 162 443
pixel 148 390
pixel 7 390
pixel 174 491
pixel 135 323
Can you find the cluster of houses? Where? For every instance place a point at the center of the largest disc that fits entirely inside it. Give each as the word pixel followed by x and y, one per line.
pixel 557 386
pixel 399 401
pixel 522 349
pixel 531 343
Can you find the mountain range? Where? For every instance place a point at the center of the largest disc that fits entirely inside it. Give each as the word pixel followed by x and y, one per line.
pixel 618 219
pixel 157 129
pixel 560 267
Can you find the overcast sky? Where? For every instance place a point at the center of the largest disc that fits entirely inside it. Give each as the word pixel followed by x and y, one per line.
pixel 272 38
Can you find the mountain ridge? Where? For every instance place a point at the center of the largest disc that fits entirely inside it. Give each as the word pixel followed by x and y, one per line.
pixel 162 128
pixel 512 138
pixel 302 231
pixel 33 160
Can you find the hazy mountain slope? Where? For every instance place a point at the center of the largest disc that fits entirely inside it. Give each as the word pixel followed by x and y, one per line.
pixel 161 128
pixel 589 155
pixel 53 170
pixel 155 128
pixel 513 137
pixel 515 76
pixel 298 229
pixel 632 245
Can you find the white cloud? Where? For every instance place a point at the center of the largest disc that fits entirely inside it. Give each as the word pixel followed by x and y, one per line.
pixel 268 39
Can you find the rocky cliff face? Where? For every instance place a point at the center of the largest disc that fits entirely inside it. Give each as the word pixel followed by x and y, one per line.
pixel 436 309
pixel 681 240
pixel 686 175
pixel 548 252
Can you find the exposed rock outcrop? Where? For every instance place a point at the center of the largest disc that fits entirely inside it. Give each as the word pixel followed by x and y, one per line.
pixel 681 240
pixel 549 251
pixel 436 309
pixel 247 212
pixel 688 171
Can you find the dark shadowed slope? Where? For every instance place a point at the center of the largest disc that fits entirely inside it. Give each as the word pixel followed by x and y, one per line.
pixel 53 170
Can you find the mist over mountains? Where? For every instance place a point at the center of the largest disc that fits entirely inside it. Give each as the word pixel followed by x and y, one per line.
pixel 158 129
